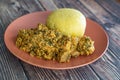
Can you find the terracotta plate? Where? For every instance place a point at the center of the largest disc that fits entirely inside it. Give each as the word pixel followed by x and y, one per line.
pixel 94 30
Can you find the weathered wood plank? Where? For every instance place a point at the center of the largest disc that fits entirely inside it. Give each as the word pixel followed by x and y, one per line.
pixel 10 67
pixel 73 74
pixel 48 5
pixel 73 4
pixel 107 70
pixel 111 6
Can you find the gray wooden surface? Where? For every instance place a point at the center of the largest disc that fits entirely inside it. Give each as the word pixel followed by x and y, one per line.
pixel 105 12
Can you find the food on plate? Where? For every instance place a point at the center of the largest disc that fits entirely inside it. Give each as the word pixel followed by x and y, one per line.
pixel 69 21
pixel 50 44
pixel 60 39
pixel 85 46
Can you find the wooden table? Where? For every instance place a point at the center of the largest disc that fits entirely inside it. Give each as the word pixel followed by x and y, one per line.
pixel 104 12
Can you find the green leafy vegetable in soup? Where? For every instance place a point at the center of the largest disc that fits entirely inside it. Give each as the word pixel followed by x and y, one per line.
pixel 50 44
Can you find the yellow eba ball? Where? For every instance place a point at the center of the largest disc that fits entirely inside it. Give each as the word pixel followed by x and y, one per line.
pixel 69 21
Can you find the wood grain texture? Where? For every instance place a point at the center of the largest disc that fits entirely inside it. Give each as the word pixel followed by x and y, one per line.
pixel 108 65
pixel 105 12
pixel 10 68
pixel 73 74
pixel 48 5
pixel 111 6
